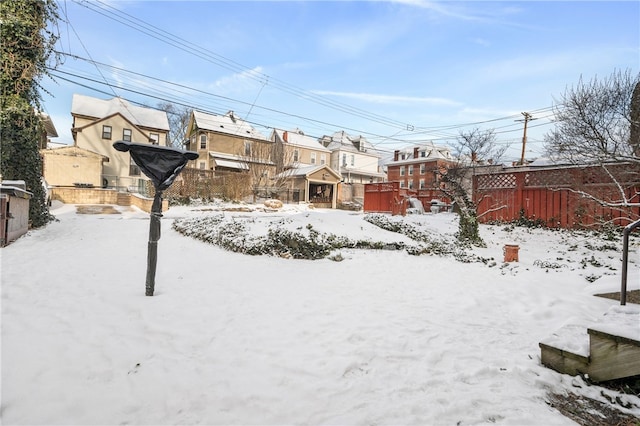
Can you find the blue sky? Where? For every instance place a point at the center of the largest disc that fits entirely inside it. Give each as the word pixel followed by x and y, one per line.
pixel 397 72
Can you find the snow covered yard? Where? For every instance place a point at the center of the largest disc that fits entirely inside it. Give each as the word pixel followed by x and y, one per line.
pixel 381 337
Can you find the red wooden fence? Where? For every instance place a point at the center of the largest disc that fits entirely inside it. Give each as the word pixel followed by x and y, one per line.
pixel 559 197
pixel 385 197
pixel 388 197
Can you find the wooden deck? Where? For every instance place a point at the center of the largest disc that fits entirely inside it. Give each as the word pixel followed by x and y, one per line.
pixel 604 351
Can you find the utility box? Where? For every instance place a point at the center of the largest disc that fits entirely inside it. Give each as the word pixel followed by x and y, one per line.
pixel 14 210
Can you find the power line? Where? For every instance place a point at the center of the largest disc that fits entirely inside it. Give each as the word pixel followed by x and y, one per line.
pixel 406 134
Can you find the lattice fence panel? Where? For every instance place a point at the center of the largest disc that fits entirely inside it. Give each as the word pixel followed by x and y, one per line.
pixel 549 178
pixel 495 181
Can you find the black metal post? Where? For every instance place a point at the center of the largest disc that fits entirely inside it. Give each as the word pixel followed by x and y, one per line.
pixel 162 165
pixel 154 236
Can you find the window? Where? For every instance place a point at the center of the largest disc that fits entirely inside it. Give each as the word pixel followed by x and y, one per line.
pixel 353 160
pixel 313 158
pixel 344 160
pixel 402 184
pixel 203 141
pixel 247 148
pixel 202 165
pixel 421 184
pixel 423 153
pixel 323 159
pixel 423 168
pixel 106 132
pixel 134 170
pixel 411 184
pixel 155 138
pixel 401 170
pixel 126 135
pixel 411 170
pixel 296 156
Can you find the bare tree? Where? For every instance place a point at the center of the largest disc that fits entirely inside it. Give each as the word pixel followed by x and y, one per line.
pixel 594 121
pixel 473 149
pixel 258 158
pixel 178 116
pixel 598 124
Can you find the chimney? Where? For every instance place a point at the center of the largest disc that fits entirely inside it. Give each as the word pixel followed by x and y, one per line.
pixel 395 155
pixel 285 136
pixel 415 152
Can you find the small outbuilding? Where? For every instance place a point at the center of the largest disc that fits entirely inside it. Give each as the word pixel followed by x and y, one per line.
pixel 316 184
pixel 14 210
pixel 73 166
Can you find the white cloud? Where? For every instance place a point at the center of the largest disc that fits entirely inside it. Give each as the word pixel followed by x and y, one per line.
pixel 242 80
pixel 448 9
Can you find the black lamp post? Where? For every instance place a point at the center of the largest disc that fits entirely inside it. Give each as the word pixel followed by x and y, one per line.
pixel 162 165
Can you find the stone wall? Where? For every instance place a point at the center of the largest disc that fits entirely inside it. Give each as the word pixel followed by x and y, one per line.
pixel 103 196
pixel 70 195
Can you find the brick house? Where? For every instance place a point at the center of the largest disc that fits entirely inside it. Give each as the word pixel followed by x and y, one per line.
pixel 416 169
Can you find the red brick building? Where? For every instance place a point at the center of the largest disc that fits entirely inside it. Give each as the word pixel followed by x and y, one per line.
pixel 416 169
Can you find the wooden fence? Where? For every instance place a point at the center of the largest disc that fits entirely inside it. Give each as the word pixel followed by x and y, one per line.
pixel 388 197
pixel 385 197
pixel 565 197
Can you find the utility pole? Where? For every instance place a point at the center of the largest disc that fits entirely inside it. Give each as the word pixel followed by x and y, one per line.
pixel 527 117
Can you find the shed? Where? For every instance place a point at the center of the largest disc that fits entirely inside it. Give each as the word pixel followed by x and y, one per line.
pixel 73 166
pixel 14 210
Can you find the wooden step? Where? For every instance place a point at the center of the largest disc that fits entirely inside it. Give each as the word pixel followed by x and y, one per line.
pixel 606 350
pixel 613 356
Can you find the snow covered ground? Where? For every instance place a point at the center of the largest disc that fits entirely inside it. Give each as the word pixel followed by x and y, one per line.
pixel 381 337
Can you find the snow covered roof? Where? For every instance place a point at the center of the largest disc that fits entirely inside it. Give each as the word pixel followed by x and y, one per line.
pixel 297 137
pixel 306 170
pixel 228 123
pixel 49 127
pixel 100 108
pixel 342 140
pixel 425 151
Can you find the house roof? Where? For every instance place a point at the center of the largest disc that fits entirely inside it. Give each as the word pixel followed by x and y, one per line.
pixel 99 108
pixel 432 152
pixel 73 150
pixel 342 140
pixel 49 127
pixel 228 123
pixel 307 170
pixel 298 138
